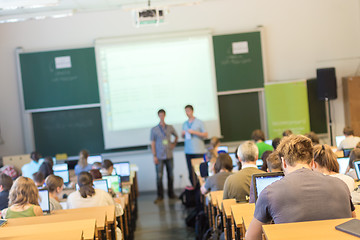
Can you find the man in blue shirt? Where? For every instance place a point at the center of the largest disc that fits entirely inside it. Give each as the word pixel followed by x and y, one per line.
pixel 194 133
pixel 162 149
pixel 32 167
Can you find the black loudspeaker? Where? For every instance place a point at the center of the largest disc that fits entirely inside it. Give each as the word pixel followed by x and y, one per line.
pixel 326 83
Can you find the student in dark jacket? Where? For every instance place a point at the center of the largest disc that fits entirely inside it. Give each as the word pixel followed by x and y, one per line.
pixel 46 168
pixel 5 185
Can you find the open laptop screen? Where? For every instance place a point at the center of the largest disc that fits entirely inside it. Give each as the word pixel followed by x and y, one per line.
pixel 262 180
pixel 94 159
pixel 339 139
pixel 64 175
pixel 114 181
pixel 223 149
pixel 234 159
pixel 44 200
pixel 101 184
pixel 122 169
pixel 343 164
pixel 60 167
pixel 357 168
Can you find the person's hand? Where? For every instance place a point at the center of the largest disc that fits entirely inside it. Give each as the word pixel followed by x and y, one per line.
pixel 172 146
pixel 156 160
pixel 191 131
pixel 183 133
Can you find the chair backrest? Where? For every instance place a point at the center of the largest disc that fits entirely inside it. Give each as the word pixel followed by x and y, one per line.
pixel 17 161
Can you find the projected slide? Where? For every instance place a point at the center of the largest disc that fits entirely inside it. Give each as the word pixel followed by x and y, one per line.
pixel 137 78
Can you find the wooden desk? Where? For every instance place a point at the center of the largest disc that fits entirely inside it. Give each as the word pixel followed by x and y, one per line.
pixel 228 223
pixel 87 226
pixel 314 230
pixel 242 214
pixel 59 235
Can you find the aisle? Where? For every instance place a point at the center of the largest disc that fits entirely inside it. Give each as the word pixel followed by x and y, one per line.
pixel 161 221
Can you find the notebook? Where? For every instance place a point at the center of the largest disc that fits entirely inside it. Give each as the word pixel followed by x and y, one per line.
pixel 262 180
pixel 123 170
pixel 357 168
pixel 64 175
pixel 351 227
pixel 114 181
pixel 44 200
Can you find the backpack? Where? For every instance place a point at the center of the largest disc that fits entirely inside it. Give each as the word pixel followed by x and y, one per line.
pixel 188 197
pixel 201 225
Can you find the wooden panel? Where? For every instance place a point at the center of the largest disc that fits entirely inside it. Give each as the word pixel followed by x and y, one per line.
pixel 351 88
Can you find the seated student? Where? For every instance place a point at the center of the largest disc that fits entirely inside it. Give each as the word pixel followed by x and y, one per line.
pixel 96 174
pixel 238 185
pixel 354 156
pixel 259 137
pixel 107 167
pixel 313 137
pixel 273 164
pixel 275 142
pixel 47 167
pixel 223 167
pixel 32 167
pixel 350 140
pixel 96 165
pixel 82 165
pixel 5 185
pixel 23 200
pixel 38 179
pixel 263 158
pixel 325 161
pixel 55 185
pixel 302 195
pixel 287 133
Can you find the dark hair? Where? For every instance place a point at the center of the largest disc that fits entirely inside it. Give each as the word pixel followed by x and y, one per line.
pixel 354 156
pixel 223 161
pixel 257 135
pixel 38 177
pixel 239 164
pixel 287 133
pixel 85 181
pixel 348 131
pixel 49 160
pixel 313 137
pixel 264 158
pixel 325 157
pixel 107 164
pixel 95 173
pixel 189 106
pixel 35 155
pixel 296 149
pixel 275 142
pixel 5 181
pixel 161 111
pixel 273 161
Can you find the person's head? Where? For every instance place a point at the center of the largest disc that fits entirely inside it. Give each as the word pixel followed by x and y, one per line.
pixel 313 137
pixel 275 142
pixel 258 135
pixel 325 159
pixel 189 110
pixel 348 131
pixel 85 182
pixel 294 150
pixel 248 152
pixel 23 192
pixel 35 156
pixel 162 114
pixel 287 133
pixel 96 174
pixel 49 160
pixel 358 145
pixel 354 156
pixel 223 162
pixel 39 179
pixel 54 184
pixel 83 156
pixel 5 182
pixel 265 155
pixel 96 165
pixel 108 166
pixel 273 162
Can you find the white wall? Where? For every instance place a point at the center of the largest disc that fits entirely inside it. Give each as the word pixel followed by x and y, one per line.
pixel 300 36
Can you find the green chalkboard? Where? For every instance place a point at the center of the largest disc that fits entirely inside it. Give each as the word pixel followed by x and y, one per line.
pixel 317 111
pixel 59 78
pixel 243 70
pixel 68 131
pixel 239 115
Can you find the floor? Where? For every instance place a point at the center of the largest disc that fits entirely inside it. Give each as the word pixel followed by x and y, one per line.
pixel 165 220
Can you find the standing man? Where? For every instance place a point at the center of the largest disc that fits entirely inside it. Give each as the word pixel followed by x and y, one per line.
pixel 194 133
pixel 162 149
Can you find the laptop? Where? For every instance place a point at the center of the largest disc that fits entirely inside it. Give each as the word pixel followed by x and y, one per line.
pixel 262 180
pixel 223 149
pixel 123 170
pixel 44 200
pixel 339 139
pixel 259 163
pixel 234 159
pixel 101 184
pixel 347 152
pixel 357 168
pixel 60 167
pixel 93 159
pixel 268 142
pixel 343 164
pixel 114 181
pixel 64 175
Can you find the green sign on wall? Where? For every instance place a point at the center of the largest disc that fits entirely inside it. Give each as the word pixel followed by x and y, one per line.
pixel 287 108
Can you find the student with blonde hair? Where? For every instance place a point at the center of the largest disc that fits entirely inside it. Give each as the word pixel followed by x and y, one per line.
pixel 55 185
pixel 82 165
pixel 23 200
